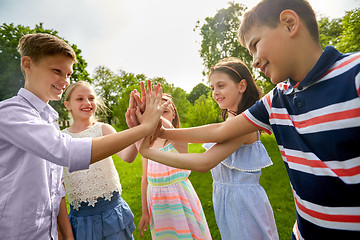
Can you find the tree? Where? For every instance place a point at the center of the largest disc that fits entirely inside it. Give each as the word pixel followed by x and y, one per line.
pixel 197 91
pixel 179 97
pixel 219 36
pixel 329 31
pixel 11 78
pixel 349 39
pixel 204 111
pixel 115 88
pixel 108 86
pixel 220 40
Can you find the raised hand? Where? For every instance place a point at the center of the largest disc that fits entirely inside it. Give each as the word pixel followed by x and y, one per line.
pixel 130 115
pixel 153 109
pixel 141 99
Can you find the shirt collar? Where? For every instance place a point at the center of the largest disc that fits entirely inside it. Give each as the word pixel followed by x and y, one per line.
pixel 39 104
pixel 326 60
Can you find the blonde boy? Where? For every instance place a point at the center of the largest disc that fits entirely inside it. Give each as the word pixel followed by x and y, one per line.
pixel 33 149
pixel 314 112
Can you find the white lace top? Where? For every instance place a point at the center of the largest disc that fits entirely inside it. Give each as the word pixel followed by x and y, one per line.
pixel 100 180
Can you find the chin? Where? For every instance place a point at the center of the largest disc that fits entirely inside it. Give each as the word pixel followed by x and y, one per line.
pixel 57 98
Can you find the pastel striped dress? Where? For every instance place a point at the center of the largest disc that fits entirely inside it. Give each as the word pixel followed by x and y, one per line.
pixel 174 207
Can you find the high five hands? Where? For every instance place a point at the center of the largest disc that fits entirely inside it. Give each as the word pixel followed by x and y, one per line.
pixel 148 101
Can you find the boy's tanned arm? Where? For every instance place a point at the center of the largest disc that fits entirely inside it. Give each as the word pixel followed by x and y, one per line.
pixel 217 132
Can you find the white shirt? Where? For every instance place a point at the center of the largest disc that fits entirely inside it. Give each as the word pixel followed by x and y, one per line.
pixel 32 151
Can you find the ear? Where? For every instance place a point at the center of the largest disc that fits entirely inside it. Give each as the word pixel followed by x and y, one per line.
pixel 242 85
pixel 290 20
pixel 67 105
pixel 26 63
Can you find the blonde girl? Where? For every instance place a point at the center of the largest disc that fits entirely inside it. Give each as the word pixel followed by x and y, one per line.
pixel 97 210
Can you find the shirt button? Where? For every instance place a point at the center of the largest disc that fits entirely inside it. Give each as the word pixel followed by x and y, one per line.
pixel 299 104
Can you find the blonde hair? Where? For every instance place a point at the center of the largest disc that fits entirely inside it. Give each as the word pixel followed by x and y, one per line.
pixel 176 121
pixel 100 105
pixel 40 45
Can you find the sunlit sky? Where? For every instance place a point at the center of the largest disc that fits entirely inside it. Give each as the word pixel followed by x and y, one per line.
pixel 151 37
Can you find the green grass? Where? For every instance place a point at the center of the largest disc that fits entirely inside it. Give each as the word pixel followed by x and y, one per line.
pixel 274 179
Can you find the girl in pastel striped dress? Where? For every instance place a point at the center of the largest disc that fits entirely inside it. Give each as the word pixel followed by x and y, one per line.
pixel 169 201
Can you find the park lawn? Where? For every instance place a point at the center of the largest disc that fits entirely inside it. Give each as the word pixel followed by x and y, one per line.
pixel 274 179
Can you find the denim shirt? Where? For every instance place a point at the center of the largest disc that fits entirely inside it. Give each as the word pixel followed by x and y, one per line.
pixel 32 153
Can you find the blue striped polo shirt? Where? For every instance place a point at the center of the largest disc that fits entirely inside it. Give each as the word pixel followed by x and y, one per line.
pixel 316 123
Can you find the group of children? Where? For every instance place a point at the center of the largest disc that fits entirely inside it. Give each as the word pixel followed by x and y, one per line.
pixel 313 111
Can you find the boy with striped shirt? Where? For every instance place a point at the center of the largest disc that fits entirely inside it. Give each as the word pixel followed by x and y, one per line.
pixel 314 112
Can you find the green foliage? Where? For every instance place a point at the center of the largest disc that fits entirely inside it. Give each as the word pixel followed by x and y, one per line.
pixel 11 78
pixel 115 88
pixel 179 97
pixel 265 86
pixel 204 111
pixel 349 39
pixel 330 31
pixel 107 85
pixel 220 40
pixel 219 36
pixel 197 91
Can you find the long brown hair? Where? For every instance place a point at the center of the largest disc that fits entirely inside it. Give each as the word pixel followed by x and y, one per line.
pixel 237 71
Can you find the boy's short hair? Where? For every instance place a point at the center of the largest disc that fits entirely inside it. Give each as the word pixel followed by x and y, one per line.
pixel 267 12
pixel 39 45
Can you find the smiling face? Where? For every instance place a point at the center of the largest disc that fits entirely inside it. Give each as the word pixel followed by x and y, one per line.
pixel 49 77
pixel 82 102
pixel 226 92
pixel 271 52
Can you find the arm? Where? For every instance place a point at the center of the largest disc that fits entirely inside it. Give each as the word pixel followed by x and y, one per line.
pixel 199 162
pixel 145 218
pixel 217 132
pixel 181 147
pixel 108 145
pixel 129 153
pixel 63 222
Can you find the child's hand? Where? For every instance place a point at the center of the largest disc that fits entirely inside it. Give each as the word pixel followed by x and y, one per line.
pixel 130 115
pixel 141 101
pixel 144 145
pixel 165 123
pixel 143 224
pixel 153 110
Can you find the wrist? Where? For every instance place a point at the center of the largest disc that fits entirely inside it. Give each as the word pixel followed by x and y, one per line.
pixel 162 132
pixel 147 128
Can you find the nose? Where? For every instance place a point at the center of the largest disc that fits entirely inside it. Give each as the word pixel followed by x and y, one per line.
pixel 65 80
pixel 215 92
